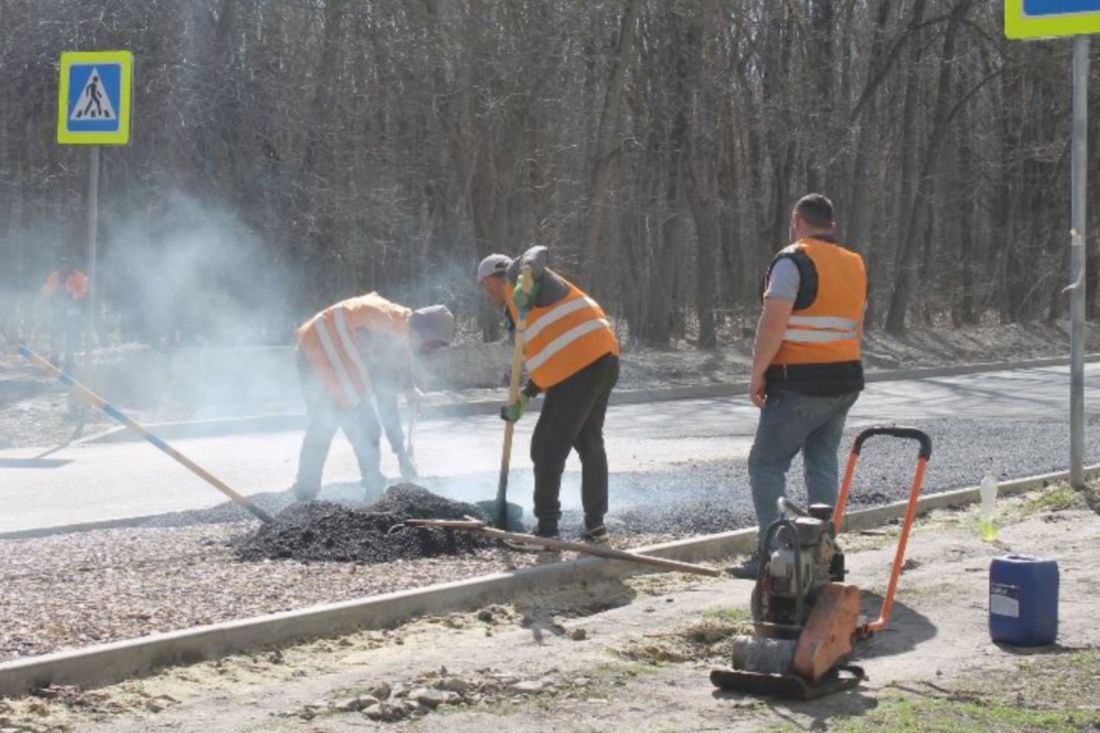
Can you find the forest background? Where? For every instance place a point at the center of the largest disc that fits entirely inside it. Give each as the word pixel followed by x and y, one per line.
pixel 289 153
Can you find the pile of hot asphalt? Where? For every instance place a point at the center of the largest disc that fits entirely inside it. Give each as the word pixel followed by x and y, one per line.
pixel 325 531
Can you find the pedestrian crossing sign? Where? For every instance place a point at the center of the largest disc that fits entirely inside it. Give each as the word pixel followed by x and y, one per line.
pixel 93 100
pixel 1050 18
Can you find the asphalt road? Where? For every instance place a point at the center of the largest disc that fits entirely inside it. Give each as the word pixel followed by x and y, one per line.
pixel 677 466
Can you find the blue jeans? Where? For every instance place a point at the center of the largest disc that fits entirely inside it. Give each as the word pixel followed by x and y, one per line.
pixel 791 422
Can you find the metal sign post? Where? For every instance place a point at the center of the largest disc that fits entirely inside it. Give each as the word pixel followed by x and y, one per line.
pixel 1078 178
pixel 93 108
pixel 93 226
pixel 1078 18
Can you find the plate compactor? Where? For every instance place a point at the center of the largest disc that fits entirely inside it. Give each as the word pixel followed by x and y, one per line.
pixel 806 618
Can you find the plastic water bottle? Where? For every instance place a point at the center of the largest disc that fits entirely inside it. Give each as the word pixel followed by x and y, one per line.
pixel 988 491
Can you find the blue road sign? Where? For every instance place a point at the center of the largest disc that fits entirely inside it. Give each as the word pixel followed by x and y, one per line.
pixel 94 97
pixel 93 105
pixel 1051 18
pixel 1060 7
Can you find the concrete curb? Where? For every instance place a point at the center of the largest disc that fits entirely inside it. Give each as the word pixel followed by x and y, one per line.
pixel 106 664
pixel 120 523
pixel 461 408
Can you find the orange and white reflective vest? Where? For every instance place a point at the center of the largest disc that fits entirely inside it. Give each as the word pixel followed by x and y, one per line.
pixel 824 326
pixel 333 350
pixel 75 285
pixel 562 338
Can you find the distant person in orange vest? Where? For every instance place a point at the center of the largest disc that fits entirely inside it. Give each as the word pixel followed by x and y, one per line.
pixel 806 368
pixel 572 355
pixel 348 353
pixel 65 294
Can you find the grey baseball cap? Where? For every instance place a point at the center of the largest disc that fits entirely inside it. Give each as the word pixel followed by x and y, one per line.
pixel 492 265
pixel 433 323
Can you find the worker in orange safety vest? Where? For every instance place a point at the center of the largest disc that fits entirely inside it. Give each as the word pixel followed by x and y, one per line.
pixel 806 366
pixel 65 293
pixel 348 354
pixel 571 354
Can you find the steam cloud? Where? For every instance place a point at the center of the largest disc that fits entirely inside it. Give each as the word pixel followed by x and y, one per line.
pixel 190 273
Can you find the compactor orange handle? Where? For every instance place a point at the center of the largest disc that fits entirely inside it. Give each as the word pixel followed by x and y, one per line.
pixel 910 509
pixel 853 458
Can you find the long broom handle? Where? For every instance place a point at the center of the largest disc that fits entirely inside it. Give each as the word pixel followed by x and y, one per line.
pixel 477 527
pixel 105 406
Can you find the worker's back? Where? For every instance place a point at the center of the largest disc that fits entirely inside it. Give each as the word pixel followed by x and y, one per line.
pixel 354 342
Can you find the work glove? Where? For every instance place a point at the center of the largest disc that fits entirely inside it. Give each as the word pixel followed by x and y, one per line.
pixel 524 299
pixel 514 411
pixel 523 295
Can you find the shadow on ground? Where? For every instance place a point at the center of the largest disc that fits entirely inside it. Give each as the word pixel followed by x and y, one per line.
pixel 542 613
pixel 33 462
pixel 904 632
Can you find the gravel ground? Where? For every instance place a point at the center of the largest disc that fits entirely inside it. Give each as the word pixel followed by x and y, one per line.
pixel 707 497
pixel 75 590
pixel 183 570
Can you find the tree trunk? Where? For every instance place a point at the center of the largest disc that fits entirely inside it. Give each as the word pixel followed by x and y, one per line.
pixel 704 212
pixel 607 144
pixel 318 160
pixel 700 187
pixel 904 280
pixel 855 233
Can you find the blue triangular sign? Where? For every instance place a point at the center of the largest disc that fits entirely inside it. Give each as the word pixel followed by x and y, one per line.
pixel 93 103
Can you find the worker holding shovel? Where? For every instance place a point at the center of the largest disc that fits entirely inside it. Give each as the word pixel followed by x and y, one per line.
pixel 572 355
pixel 354 349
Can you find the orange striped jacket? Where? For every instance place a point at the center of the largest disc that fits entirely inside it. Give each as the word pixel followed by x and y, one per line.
pixel 826 330
pixel 335 353
pixel 562 338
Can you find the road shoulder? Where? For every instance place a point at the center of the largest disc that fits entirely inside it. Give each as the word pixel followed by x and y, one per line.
pixel 636 654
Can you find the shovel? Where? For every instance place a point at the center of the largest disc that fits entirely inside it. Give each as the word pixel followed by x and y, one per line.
pixel 527 283
pixel 509 429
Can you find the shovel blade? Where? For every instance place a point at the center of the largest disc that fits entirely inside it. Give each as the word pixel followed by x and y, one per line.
pixel 513 515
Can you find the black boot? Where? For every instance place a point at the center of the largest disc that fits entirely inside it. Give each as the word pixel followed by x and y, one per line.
pixel 548 528
pixel 596 535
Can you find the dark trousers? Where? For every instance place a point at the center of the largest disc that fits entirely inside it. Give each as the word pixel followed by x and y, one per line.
pixel 325 417
pixel 66 321
pixel 572 418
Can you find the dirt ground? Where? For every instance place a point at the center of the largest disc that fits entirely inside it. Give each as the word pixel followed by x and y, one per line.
pixel 36 411
pixel 636 655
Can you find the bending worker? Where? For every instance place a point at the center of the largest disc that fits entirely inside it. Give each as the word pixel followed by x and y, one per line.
pixel 353 350
pixel 806 368
pixel 572 355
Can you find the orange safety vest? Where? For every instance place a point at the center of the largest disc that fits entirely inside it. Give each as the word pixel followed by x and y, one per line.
pixel 332 348
pixel 562 338
pixel 75 286
pixel 826 329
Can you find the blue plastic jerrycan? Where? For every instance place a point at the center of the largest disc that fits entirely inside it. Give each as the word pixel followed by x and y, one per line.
pixel 1023 600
